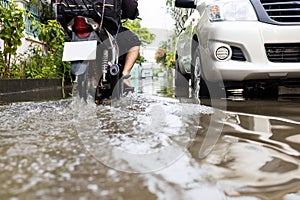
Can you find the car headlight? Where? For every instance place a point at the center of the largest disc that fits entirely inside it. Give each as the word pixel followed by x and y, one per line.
pixel 235 10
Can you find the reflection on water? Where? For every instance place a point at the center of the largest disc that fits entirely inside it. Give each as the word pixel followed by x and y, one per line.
pixel 159 86
pixel 69 150
pixel 255 155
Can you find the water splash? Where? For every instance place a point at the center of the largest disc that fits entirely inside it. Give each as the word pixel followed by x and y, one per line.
pixel 47 151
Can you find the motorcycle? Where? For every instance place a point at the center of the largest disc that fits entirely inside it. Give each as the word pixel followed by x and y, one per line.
pixel 92 51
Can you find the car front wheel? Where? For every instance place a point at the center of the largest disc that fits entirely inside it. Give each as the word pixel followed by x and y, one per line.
pixel 181 82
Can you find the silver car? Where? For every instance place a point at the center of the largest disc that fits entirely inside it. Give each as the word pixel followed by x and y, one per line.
pixel 237 42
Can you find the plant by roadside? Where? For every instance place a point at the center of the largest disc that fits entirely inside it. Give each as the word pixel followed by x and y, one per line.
pixel 36 64
pixel 45 8
pixel 12 26
pixel 165 56
pixel 39 61
pixel 53 37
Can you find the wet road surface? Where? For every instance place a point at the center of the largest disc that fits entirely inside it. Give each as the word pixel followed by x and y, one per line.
pixel 150 146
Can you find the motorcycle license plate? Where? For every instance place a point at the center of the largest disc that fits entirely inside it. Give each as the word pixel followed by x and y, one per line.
pixel 80 50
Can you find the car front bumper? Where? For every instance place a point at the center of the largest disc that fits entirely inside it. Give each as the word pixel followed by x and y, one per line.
pixel 250 38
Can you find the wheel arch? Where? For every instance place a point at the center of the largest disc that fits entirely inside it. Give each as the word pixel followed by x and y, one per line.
pixel 194 46
pixel 180 67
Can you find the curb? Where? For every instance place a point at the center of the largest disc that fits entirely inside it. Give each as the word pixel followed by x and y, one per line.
pixel 18 90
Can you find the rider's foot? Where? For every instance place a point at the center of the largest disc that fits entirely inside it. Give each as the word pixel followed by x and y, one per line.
pixel 126 82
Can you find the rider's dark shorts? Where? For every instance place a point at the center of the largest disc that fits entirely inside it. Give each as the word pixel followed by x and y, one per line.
pixel 126 40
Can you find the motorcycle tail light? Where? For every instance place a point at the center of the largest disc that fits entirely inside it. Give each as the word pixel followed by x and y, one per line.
pixel 82 29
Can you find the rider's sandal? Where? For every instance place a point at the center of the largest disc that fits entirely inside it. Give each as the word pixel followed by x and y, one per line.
pixel 127 88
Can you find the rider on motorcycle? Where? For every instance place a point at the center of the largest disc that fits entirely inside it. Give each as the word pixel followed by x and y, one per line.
pixel 112 12
pixel 128 42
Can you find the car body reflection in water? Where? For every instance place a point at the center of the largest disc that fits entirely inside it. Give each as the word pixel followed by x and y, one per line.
pixel 52 150
pixel 258 154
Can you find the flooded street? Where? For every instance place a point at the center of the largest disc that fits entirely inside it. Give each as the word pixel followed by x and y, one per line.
pixel 150 145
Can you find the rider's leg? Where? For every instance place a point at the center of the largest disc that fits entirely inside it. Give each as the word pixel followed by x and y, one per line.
pixel 130 59
pixel 129 46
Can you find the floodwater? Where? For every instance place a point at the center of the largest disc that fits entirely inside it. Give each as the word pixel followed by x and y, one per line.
pixel 150 145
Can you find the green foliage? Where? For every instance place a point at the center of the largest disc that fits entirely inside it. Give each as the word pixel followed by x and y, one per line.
pixel 46 11
pixel 144 34
pixel 53 36
pixel 47 62
pixel 170 7
pixel 165 54
pixel 52 65
pixel 165 58
pixel 37 64
pixel 169 3
pixel 170 60
pixel 140 59
pixel 12 27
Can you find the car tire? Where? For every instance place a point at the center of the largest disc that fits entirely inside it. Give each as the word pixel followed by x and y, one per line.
pixel 199 84
pixel 181 82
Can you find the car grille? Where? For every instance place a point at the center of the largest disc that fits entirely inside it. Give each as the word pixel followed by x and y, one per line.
pixel 283 52
pixel 237 54
pixel 285 11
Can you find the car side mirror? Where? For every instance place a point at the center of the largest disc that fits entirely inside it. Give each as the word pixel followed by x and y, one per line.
pixel 185 4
